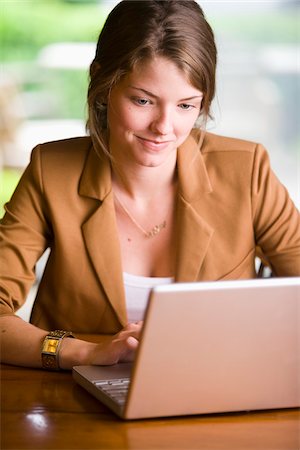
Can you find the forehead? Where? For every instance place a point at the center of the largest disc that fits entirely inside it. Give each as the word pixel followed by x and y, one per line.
pixel 158 75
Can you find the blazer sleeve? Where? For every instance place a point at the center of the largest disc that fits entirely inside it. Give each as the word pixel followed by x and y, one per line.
pixel 24 236
pixel 276 219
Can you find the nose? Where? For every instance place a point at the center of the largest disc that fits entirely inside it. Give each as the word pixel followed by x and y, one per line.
pixel 163 123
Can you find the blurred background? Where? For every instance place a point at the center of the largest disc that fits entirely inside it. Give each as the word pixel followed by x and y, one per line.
pixel 46 47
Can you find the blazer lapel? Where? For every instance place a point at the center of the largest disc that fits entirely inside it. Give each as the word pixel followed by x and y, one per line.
pixel 193 232
pixel 100 231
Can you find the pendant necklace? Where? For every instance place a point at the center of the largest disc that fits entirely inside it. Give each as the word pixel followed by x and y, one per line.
pixel 148 234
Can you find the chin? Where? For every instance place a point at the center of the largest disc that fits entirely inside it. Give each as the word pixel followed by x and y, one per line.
pixel 157 160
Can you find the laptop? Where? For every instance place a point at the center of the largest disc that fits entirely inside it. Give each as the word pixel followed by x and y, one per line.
pixel 208 347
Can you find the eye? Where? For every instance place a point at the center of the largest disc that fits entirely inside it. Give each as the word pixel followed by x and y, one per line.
pixel 141 101
pixel 186 106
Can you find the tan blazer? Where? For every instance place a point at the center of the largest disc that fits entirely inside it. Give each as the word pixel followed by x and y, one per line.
pixel 229 203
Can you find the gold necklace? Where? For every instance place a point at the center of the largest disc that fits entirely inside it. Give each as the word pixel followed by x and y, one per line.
pixel 148 234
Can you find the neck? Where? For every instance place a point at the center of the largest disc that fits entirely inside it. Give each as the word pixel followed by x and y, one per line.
pixel 145 183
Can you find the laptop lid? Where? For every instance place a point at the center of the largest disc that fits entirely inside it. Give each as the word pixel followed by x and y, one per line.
pixel 216 347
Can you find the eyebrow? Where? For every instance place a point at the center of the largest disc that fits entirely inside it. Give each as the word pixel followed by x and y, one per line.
pixel 150 94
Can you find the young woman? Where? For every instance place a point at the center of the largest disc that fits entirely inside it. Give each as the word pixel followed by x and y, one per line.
pixel 147 199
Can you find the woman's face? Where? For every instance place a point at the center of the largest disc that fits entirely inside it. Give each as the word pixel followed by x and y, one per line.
pixel 150 113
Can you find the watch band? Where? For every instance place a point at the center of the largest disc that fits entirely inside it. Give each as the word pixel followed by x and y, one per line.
pixel 50 348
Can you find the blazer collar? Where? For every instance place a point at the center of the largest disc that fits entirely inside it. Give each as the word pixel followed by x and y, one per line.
pixel 95 181
pixel 193 179
pixel 100 231
pixel 193 232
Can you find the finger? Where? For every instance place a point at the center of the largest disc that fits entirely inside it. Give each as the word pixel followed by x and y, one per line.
pixel 133 326
pixel 132 343
pixel 124 349
pixel 126 334
pixel 129 330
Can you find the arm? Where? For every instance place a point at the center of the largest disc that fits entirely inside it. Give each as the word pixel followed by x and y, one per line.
pixel 21 344
pixel 25 232
pixel 276 219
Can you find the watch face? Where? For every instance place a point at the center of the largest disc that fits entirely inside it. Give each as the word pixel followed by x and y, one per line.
pixel 50 345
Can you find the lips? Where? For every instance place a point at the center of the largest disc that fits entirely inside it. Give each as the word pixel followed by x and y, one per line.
pixel 154 145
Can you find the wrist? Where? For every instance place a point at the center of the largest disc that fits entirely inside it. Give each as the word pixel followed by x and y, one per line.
pixel 51 346
pixel 76 352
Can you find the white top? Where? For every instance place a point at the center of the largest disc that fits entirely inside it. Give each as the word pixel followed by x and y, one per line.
pixel 137 290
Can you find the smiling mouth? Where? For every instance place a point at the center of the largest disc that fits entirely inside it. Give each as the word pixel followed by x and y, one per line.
pixel 153 143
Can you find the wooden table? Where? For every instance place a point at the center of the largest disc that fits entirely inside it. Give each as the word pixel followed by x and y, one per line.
pixel 47 410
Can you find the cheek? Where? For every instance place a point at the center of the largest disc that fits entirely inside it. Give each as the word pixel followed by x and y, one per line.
pixel 185 124
pixel 126 118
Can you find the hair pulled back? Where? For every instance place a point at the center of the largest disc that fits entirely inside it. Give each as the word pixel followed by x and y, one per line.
pixel 138 30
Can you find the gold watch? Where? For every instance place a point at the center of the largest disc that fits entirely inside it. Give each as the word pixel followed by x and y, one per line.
pixel 50 348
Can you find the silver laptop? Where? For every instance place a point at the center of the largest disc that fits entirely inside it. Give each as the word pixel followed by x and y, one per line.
pixel 208 347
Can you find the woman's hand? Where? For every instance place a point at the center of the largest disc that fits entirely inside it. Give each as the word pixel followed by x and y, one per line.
pixel 121 347
pixel 109 350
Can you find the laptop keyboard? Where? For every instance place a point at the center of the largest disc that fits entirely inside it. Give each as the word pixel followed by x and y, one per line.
pixel 116 389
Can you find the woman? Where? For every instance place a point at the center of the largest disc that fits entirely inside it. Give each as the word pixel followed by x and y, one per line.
pixel 146 199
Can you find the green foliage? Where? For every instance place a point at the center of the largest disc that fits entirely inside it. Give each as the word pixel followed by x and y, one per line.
pixel 27 26
pixel 281 26
pixel 72 86
pixel 9 179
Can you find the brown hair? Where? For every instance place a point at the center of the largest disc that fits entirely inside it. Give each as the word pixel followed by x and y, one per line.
pixel 136 30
